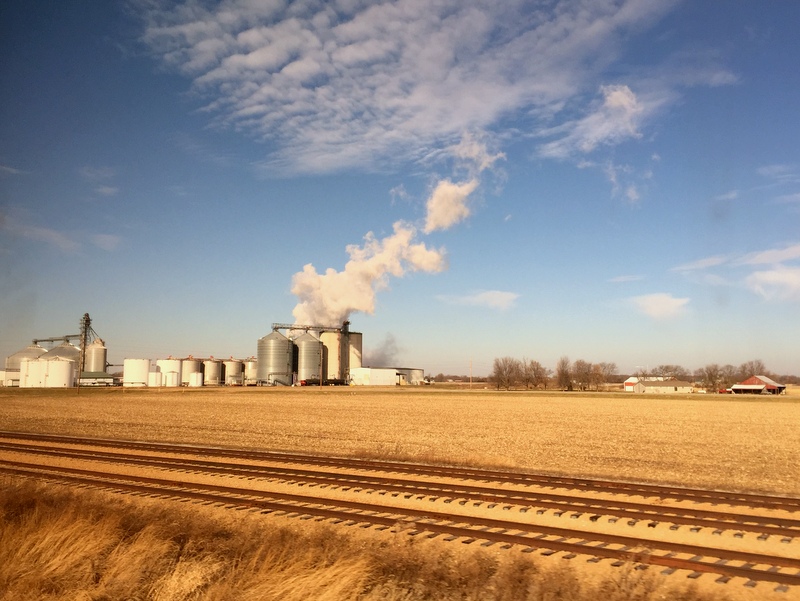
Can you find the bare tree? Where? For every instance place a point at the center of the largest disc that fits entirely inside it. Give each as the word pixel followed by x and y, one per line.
pixel 506 372
pixel 527 375
pixel 582 372
pixel 728 376
pixel 541 375
pixel 671 372
pixel 710 376
pixel 604 372
pixel 755 367
pixel 564 374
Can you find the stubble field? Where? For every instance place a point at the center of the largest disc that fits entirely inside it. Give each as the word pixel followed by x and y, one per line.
pixel 715 441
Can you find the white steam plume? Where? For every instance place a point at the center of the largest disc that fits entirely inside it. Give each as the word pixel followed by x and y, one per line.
pixel 329 298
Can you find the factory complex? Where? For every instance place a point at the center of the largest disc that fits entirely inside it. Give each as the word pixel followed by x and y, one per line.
pixel 291 355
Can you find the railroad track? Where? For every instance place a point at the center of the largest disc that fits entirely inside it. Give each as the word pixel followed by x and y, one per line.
pixel 443 504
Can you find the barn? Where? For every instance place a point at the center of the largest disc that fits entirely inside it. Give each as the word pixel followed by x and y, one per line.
pixel 662 387
pixel 758 385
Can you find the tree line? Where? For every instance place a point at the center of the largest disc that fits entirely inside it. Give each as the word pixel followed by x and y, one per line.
pixel 510 373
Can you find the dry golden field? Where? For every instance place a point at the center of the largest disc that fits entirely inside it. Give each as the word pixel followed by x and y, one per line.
pixel 719 441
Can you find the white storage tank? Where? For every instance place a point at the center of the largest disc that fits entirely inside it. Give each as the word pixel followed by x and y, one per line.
pixel 190 366
pixel 59 373
pixel 251 371
pixel 171 370
pixel 212 369
pixel 135 372
pixel 309 357
pixel 155 379
pixel 196 379
pixel 233 370
pixel 96 355
pixel 65 350
pixel 31 373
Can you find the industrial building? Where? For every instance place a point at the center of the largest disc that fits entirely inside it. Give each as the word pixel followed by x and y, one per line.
pixel 290 355
pixel 758 385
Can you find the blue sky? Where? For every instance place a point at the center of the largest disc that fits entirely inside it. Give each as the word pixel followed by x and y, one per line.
pixel 608 180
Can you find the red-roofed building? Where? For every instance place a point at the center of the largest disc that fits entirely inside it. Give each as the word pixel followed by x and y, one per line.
pixel 758 385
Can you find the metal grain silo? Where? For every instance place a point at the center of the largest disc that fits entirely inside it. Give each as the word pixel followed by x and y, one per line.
pixel 31 373
pixel 275 359
pixel 309 357
pixel 33 351
pixel 65 350
pixel 190 366
pixel 135 372
pixel 212 372
pixel 96 355
pixel 171 371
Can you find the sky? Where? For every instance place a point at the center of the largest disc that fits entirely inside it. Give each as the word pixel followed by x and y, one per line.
pixel 612 181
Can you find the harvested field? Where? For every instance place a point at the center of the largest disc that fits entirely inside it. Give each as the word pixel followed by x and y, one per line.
pixel 726 442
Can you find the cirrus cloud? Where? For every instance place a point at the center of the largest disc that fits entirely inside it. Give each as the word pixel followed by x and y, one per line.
pixel 660 305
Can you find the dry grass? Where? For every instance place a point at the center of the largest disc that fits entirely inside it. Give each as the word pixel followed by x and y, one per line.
pixel 56 544
pixel 719 441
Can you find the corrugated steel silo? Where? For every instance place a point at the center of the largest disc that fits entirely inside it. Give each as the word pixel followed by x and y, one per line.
pixel 190 366
pixel 65 350
pixel 96 355
pixel 212 370
pixel 33 351
pixel 309 357
pixel 275 359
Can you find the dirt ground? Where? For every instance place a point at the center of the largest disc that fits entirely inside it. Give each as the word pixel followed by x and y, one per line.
pixel 716 441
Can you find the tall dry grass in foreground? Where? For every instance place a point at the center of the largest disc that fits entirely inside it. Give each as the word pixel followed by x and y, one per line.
pixel 61 544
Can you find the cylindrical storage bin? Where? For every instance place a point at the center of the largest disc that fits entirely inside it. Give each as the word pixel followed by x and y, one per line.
pixel 250 372
pixel 134 372
pixel 189 367
pixel 59 373
pixel 31 373
pixel 34 351
pixel 275 359
pixel 234 370
pixel 356 340
pixel 332 359
pixel 155 379
pixel 96 355
pixel 309 357
pixel 196 379
pixel 212 369
pixel 171 370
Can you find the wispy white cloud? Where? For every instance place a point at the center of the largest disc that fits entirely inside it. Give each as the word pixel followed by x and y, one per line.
pixel 49 236
pixel 493 299
pixel 97 174
pixel 107 242
pixel 779 172
pixel 701 264
pixel 106 190
pixel 781 283
pixel 352 84
pixel 732 195
pixel 660 305
pixel 6 170
pixel 771 256
pixel 621 279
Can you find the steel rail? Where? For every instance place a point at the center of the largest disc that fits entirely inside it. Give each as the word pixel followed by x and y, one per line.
pixel 702 560
pixel 769 525
pixel 716 497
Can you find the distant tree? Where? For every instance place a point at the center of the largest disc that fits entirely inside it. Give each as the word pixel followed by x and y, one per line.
pixel 603 372
pixel 728 375
pixel 541 375
pixel 506 372
pixel 582 373
pixel 564 374
pixel 671 372
pixel 526 373
pixel 710 376
pixel 748 369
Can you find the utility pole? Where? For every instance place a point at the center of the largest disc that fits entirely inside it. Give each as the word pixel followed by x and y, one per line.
pixel 86 327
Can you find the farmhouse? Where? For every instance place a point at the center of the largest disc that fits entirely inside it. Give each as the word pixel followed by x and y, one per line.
pixel 758 385
pixel 662 387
